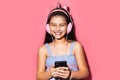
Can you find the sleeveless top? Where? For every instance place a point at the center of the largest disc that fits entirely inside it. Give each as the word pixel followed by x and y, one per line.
pixel 70 58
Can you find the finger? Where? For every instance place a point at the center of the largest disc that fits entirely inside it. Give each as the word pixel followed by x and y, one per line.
pixel 65 68
pixel 58 72
pixel 55 74
pixel 63 72
pixel 63 75
pixel 54 71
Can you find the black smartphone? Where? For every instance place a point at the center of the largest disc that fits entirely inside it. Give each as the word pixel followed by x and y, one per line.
pixel 60 64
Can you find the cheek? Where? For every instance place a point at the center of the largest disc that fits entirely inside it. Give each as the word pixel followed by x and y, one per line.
pixel 52 28
pixel 64 28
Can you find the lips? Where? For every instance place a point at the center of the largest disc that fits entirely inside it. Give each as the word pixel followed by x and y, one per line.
pixel 57 33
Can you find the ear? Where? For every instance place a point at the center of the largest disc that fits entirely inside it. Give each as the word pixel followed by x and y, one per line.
pixel 69 28
pixel 48 28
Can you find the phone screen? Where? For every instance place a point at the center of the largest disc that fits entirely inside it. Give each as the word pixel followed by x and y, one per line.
pixel 60 64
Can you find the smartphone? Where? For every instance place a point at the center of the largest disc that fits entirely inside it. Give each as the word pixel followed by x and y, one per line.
pixel 60 64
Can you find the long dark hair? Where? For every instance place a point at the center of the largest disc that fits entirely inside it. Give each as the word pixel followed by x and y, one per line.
pixel 71 36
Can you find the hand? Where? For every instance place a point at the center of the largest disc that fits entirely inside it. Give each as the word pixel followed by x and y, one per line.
pixel 54 71
pixel 64 72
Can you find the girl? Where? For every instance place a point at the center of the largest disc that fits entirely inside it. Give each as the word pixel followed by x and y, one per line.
pixel 60 45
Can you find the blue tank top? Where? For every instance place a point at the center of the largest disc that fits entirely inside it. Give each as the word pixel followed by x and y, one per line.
pixel 70 58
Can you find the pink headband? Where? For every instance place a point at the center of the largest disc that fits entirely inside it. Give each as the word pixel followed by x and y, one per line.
pixel 65 12
pixel 59 8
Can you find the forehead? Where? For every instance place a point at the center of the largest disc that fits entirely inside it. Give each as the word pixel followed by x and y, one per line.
pixel 58 19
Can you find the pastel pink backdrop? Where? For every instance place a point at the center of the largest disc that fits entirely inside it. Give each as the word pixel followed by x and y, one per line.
pixel 22 31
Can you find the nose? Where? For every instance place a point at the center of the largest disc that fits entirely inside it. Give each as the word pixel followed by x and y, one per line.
pixel 57 27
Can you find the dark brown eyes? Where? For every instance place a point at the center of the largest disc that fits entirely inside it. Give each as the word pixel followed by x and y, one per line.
pixel 56 25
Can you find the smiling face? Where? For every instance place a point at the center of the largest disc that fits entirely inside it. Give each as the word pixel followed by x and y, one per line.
pixel 58 26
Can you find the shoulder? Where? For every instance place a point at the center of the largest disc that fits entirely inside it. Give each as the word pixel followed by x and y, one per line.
pixel 78 48
pixel 77 44
pixel 42 50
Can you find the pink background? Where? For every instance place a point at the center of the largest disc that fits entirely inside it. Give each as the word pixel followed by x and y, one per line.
pixel 22 30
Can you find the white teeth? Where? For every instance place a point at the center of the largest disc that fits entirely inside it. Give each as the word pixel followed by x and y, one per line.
pixel 57 33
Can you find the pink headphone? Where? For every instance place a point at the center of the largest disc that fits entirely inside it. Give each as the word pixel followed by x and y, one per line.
pixel 65 11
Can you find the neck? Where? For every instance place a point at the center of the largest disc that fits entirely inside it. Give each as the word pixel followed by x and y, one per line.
pixel 60 43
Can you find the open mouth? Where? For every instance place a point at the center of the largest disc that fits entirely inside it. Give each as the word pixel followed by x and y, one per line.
pixel 58 33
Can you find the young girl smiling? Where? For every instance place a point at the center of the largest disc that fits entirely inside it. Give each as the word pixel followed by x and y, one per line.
pixel 60 45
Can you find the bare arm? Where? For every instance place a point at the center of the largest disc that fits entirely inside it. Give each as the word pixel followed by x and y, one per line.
pixel 41 73
pixel 81 62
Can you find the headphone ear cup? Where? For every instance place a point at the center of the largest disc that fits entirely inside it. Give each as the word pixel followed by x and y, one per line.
pixel 48 28
pixel 69 28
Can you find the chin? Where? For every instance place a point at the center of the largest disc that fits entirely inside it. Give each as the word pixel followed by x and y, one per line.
pixel 59 38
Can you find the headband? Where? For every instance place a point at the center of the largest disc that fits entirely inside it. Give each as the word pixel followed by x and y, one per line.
pixel 63 9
